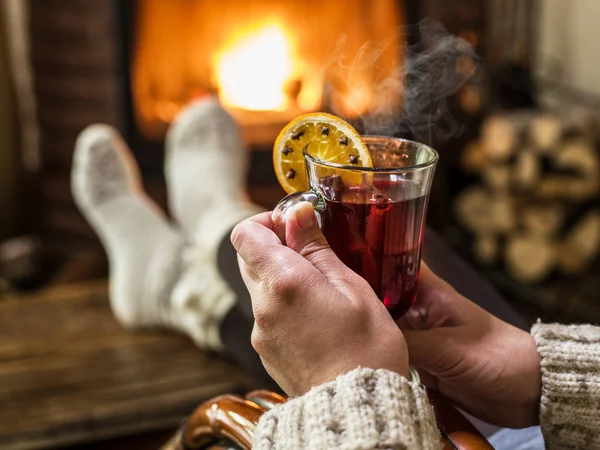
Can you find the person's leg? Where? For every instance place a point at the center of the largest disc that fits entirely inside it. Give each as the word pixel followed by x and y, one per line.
pixel 159 277
pixel 229 269
pixel 142 248
pixel 205 170
pixel 163 275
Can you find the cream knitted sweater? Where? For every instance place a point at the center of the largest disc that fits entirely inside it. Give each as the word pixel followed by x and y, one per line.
pixel 376 409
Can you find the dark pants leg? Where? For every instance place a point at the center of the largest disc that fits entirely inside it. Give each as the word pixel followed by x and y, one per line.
pixel 237 326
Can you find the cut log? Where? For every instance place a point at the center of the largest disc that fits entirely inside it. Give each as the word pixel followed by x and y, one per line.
pixel 502 214
pixel 499 138
pixel 486 248
pixel 529 258
pixel 543 220
pixel 473 158
pixel 483 213
pixel 526 171
pixel 581 246
pixel 585 189
pixel 562 187
pixel 473 209
pixel 497 178
pixel 579 156
pixel 545 132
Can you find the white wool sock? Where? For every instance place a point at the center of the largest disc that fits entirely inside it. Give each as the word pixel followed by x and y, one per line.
pixel 143 249
pixel 206 167
pixel 205 170
pixel 160 275
pixel 157 279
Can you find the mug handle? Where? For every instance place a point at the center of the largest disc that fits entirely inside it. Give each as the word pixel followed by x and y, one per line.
pixel 313 196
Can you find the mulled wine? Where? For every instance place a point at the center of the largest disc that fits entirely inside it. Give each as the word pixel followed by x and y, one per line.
pixel 379 239
pixel 373 217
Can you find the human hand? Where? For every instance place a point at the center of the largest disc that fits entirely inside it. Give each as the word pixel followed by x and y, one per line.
pixel 489 368
pixel 315 319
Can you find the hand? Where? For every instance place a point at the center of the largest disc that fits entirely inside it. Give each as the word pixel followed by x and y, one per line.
pixel 315 318
pixel 486 366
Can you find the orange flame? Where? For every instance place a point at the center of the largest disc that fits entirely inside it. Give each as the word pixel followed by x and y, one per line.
pixel 253 72
pixel 265 55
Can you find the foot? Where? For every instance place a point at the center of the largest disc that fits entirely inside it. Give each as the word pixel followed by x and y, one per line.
pixel 157 279
pixel 206 167
pixel 143 249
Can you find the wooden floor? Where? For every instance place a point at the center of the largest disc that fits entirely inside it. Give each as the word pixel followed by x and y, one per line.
pixel 69 374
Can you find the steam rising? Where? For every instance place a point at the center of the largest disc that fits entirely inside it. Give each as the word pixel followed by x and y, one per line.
pixel 412 100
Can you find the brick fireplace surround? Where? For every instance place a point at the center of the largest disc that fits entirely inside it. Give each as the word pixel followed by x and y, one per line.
pixel 75 65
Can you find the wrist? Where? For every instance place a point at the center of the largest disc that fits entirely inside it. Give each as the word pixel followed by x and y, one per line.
pixel 532 380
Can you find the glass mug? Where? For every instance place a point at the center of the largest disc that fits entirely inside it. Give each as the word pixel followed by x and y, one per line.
pixel 375 224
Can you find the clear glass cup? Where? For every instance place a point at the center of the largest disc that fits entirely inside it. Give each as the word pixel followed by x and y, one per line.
pixel 373 218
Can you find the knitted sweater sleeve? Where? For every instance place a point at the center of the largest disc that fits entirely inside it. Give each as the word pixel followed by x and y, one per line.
pixel 361 410
pixel 570 402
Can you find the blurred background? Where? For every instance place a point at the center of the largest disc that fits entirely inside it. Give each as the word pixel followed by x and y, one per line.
pixel 517 191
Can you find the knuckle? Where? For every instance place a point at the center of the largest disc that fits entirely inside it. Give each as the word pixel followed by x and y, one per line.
pixel 284 284
pixel 263 316
pixel 257 341
pixel 362 311
pixel 357 287
pixel 265 343
pixel 314 249
pixel 237 235
pixel 358 283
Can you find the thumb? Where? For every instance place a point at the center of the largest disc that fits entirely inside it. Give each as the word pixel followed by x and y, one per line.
pixel 303 235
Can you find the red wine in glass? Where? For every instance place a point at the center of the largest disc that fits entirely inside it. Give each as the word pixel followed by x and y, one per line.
pixel 375 223
pixel 380 240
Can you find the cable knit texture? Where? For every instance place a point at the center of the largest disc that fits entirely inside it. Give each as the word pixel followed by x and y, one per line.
pixel 570 403
pixel 362 410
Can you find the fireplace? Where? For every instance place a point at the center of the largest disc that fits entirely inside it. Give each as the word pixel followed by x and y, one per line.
pixel 267 61
pixel 135 63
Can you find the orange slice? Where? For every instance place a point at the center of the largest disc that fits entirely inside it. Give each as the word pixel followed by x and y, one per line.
pixel 329 139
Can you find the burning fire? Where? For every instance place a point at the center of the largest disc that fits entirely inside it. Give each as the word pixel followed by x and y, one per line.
pixel 268 56
pixel 254 72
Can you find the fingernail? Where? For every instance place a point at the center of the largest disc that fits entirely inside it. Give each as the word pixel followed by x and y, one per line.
pixel 305 215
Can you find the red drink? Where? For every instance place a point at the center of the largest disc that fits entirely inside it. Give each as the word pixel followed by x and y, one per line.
pixel 380 240
pixel 373 217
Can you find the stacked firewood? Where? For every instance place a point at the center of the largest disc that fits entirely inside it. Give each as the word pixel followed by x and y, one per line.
pixel 534 209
